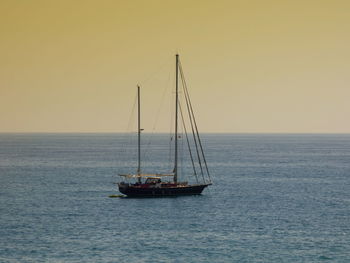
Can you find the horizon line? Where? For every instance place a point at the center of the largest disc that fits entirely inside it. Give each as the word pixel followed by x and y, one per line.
pixel 80 132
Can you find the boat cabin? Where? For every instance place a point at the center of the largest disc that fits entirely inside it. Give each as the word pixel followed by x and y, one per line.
pixel 144 179
pixel 153 180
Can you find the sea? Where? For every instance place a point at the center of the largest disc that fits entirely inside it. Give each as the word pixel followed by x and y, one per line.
pixel 274 198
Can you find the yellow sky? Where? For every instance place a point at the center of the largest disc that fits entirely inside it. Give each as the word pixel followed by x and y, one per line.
pixel 251 66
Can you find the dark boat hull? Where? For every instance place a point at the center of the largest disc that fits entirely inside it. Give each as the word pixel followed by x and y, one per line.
pixel 132 191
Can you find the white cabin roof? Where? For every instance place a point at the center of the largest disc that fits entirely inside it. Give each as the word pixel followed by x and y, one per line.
pixel 145 175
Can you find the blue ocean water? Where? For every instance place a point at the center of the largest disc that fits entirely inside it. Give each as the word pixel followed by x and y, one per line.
pixel 275 198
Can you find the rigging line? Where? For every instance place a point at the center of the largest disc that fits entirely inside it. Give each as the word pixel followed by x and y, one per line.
pixel 162 102
pixel 172 128
pixel 169 153
pixel 193 133
pixel 191 122
pixel 151 137
pixel 171 119
pixel 181 151
pixel 195 123
pixel 188 143
pixel 127 135
pixel 199 140
pixel 131 117
pixel 155 72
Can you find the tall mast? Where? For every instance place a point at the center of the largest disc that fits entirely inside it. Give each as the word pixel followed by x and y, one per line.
pixel 176 117
pixel 139 132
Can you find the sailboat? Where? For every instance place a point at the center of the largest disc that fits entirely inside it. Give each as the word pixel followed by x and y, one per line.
pixel 158 184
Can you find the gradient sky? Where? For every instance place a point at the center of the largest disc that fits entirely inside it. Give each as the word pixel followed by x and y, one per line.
pixel 251 66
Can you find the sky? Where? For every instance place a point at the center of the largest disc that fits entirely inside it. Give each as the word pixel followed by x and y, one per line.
pixel 251 66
